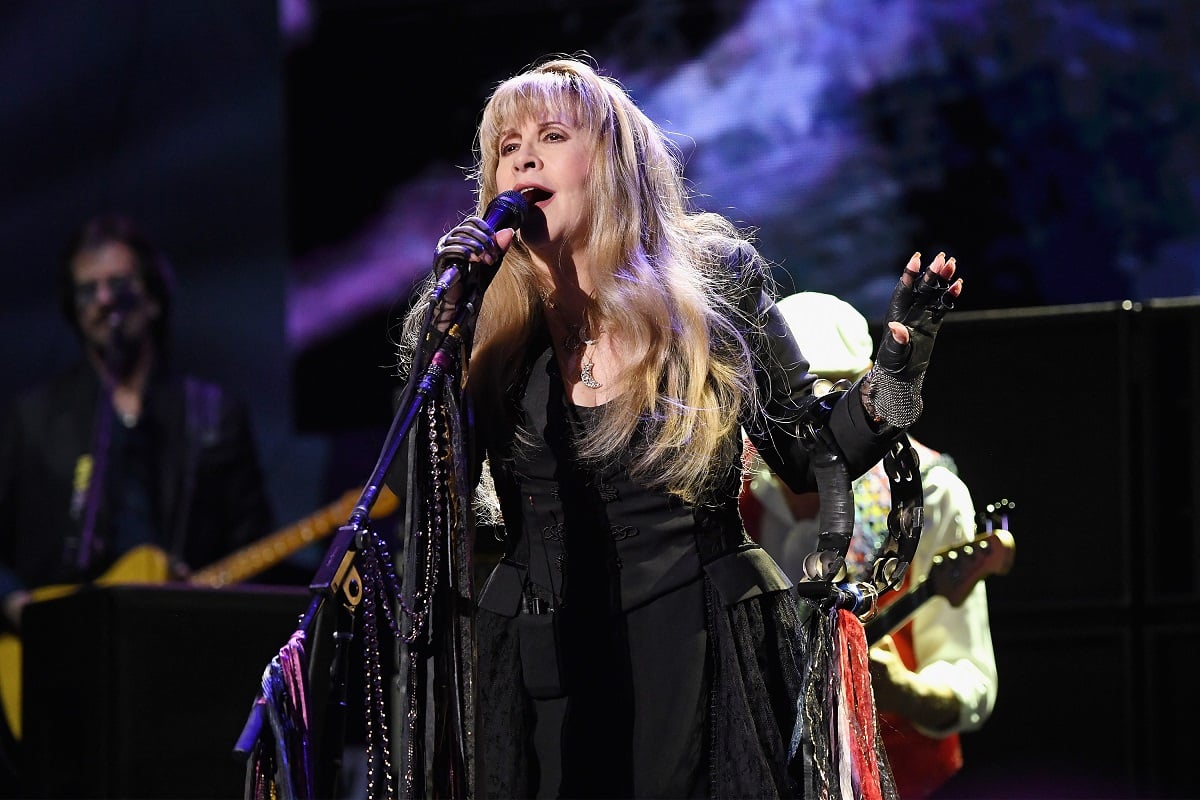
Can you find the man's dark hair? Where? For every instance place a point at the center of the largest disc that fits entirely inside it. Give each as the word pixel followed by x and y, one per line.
pixel 152 264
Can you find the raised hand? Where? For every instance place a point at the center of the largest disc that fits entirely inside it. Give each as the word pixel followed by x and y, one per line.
pixel 919 303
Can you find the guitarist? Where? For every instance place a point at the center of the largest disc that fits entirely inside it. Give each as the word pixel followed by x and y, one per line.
pixel 120 450
pixel 936 676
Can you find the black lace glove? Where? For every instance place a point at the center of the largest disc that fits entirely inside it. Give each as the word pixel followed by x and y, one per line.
pixel 919 303
pixel 471 237
pixel 471 245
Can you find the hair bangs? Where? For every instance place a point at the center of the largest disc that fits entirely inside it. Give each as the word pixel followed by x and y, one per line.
pixel 540 95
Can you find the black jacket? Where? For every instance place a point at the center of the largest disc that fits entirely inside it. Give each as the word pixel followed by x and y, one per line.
pixel 206 494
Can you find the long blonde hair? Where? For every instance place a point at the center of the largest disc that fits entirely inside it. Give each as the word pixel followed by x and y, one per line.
pixel 670 290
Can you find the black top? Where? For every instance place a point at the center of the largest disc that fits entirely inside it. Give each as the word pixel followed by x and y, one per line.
pixel 631 644
pixel 186 478
pixel 653 542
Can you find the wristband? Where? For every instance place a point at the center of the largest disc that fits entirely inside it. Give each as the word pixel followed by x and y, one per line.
pixel 866 392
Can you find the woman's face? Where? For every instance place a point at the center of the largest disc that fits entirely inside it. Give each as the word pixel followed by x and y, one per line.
pixel 550 156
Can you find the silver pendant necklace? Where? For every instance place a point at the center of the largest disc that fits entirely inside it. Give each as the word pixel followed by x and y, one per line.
pixel 577 341
pixel 585 375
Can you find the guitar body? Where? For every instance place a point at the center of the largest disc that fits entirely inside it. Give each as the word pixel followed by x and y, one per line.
pixel 149 564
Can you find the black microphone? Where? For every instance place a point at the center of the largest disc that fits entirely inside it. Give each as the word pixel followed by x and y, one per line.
pixel 507 210
pixel 125 299
pixel 124 302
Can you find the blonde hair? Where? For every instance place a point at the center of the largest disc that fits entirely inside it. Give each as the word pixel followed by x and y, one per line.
pixel 671 290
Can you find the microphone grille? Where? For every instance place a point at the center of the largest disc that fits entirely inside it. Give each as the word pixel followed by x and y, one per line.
pixel 507 210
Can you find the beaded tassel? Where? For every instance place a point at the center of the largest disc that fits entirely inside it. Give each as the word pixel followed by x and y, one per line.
pixel 286 772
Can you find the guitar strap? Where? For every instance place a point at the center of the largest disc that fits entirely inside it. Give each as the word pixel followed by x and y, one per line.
pixel 91 477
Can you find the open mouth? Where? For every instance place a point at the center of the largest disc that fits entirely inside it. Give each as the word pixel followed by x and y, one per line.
pixel 534 194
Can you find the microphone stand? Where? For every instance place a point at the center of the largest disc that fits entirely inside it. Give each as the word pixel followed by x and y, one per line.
pixel 338 575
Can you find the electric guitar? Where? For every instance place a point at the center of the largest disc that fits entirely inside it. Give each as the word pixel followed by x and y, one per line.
pixel 953 574
pixel 149 564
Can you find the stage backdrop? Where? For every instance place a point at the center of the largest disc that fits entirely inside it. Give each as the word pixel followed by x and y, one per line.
pixel 173 113
pixel 1049 146
pixel 300 160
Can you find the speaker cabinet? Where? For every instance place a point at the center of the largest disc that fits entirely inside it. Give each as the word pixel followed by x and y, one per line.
pixel 1085 418
pixel 1036 406
pixel 143 691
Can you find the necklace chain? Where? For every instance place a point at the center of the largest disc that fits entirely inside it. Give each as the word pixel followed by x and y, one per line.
pixel 576 341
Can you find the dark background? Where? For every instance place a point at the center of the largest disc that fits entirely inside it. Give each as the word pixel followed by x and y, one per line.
pixel 300 160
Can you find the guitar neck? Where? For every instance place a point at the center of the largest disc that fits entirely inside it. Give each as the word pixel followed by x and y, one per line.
pixel 265 553
pixel 898 612
pixel 953 573
pixel 271 550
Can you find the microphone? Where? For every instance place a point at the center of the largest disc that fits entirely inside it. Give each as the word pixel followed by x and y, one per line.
pixel 507 210
pixel 125 300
